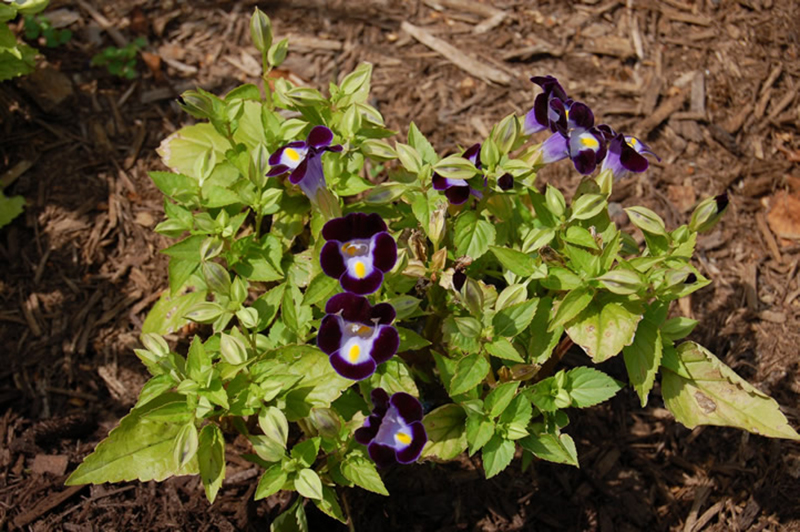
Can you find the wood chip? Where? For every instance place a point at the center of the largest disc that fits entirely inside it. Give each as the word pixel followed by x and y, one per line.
pixel 55 464
pixel 662 112
pixel 104 23
pixel 457 57
pixel 769 238
pixel 46 504
pixel 469 6
pixel 697 103
pixel 305 43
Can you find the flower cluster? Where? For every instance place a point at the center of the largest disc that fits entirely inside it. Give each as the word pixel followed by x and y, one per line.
pixel 393 433
pixel 575 135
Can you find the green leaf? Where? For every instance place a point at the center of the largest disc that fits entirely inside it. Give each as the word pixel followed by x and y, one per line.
pixel 700 390
pixel 558 448
pixel 211 460
pixel 271 482
pixel 604 328
pixel 588 386
pixel 588 206
pixel 182 149
pixel 470 371
pixel 308 484
pixel 446 432
pixel 187 249
pixel 643 357
pixel 646 220
pixel 542 341
pixel 329 504
pixel 579 236
pixel 473 236
pixel 498 399
pixel 267 306
pixel 294 519
pixel 515 418
pixel 186 444
pixel 479 431
pixel 137 448
pixel 573 304
pixel 10 207
pixel 455 167
pixel 677 328
pixel 497 455
pixel 169 313
pixel 421 144
pixel 321 381
pixel 361 471
pixel 274 424
pixel 319 289
pixel 179 187
pixel 555 201
pixel 503 348
pixel 517 262
pixel 513 320
pixel 410 341
pixel 393 376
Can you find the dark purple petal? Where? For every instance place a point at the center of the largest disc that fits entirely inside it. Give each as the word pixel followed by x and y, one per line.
pixel 384 252
pixel 722 201
pixel 385 345
pixel 355 225
pixel 356 372
pixel 331 260
pixel 277 170
pixel 505 182
pixel 631 160
pixel 382 455
pixel 531 124
pixel 541 112
pixel 384 313
pixel 473 155
pixel 367 285
pixel 580 116
pixel 380 401
pixel 585 161
pixel 418 440
pixel 439 182
pixel 367 433
pixel 354 308
pixel 557 114
pixel 335 148
pixel 459 278
pixel 320 137
pixel 329 335
pixel 299 173
pixel 408 406
pixel 550 86
pixel 457 195
pixel 607 131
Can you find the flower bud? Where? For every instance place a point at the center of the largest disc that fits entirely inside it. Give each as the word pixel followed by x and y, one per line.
pixel 472 295
pixel 708 213
pixel 505 182
pixel 261 31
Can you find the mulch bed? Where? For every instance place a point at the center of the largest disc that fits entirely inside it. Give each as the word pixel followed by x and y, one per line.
pixel 711 84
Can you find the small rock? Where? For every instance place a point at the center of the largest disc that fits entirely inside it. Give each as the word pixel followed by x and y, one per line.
pixel 55 464
pixel 49 88
pixel 145 219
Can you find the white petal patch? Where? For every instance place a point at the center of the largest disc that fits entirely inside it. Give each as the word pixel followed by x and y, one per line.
pixel 292 157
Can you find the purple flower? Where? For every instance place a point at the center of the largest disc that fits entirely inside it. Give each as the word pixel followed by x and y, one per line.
pixel 545 114
pixel 458 190
pixel 357 336
pixel 624 153
pixel 575 137
pixel 358 252
pixel 505 182
pixel 393 433
pixel 304 160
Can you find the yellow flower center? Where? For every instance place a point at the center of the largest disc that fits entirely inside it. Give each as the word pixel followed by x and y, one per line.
pixel 292 154
pixel 354 353
pixel 360 269
pixel 590 142
pixel 632 142
pixel 403 438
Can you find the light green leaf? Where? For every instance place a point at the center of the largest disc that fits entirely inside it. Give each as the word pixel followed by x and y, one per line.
pixel 571 306
pixel 319 289
pixel 503 348
pixel 517 262
pixel 186 443
pixel 410 341
pixel 588 386
pixel 182 149
pixel 558 448
pixel 479 431
pixel 308 484
pixel 361 471
pixel 169 313
pixel 470 371
pixel 137 448
pixel 274 425
pixel 329 504
pixel 394 376
pixel 513 320
pixel 211 460
pixel 604 328
pixel 700 390
pixel 498 399
pixel 588 206
pixel 579 236
pixel 497 455
pixel 646 220
pixel 473 236
pixel 643 357
pixel 447 436
pixel 317 374
pixel 542 341
pixel 294 519
pixel 10 208
pixel 270 482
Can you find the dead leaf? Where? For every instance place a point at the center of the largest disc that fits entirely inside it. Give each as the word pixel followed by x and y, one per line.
pixel 784 215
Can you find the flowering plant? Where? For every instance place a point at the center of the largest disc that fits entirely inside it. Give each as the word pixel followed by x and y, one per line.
pixel 313 284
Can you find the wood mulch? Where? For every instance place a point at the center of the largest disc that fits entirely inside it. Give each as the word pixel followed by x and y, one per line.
pixel 712 85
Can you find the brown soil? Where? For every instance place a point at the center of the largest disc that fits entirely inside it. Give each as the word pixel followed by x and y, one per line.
pixel 711 84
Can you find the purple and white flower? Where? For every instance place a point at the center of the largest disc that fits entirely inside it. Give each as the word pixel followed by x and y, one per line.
pixel 576 137
pixel 357 336
pixel 303 158
pixel 625 154
pixel 393 433
pixel 545 112
pixel 358 251
pixel 458 190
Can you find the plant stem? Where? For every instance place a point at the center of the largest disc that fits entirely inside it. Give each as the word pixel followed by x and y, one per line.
pixel 350 525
